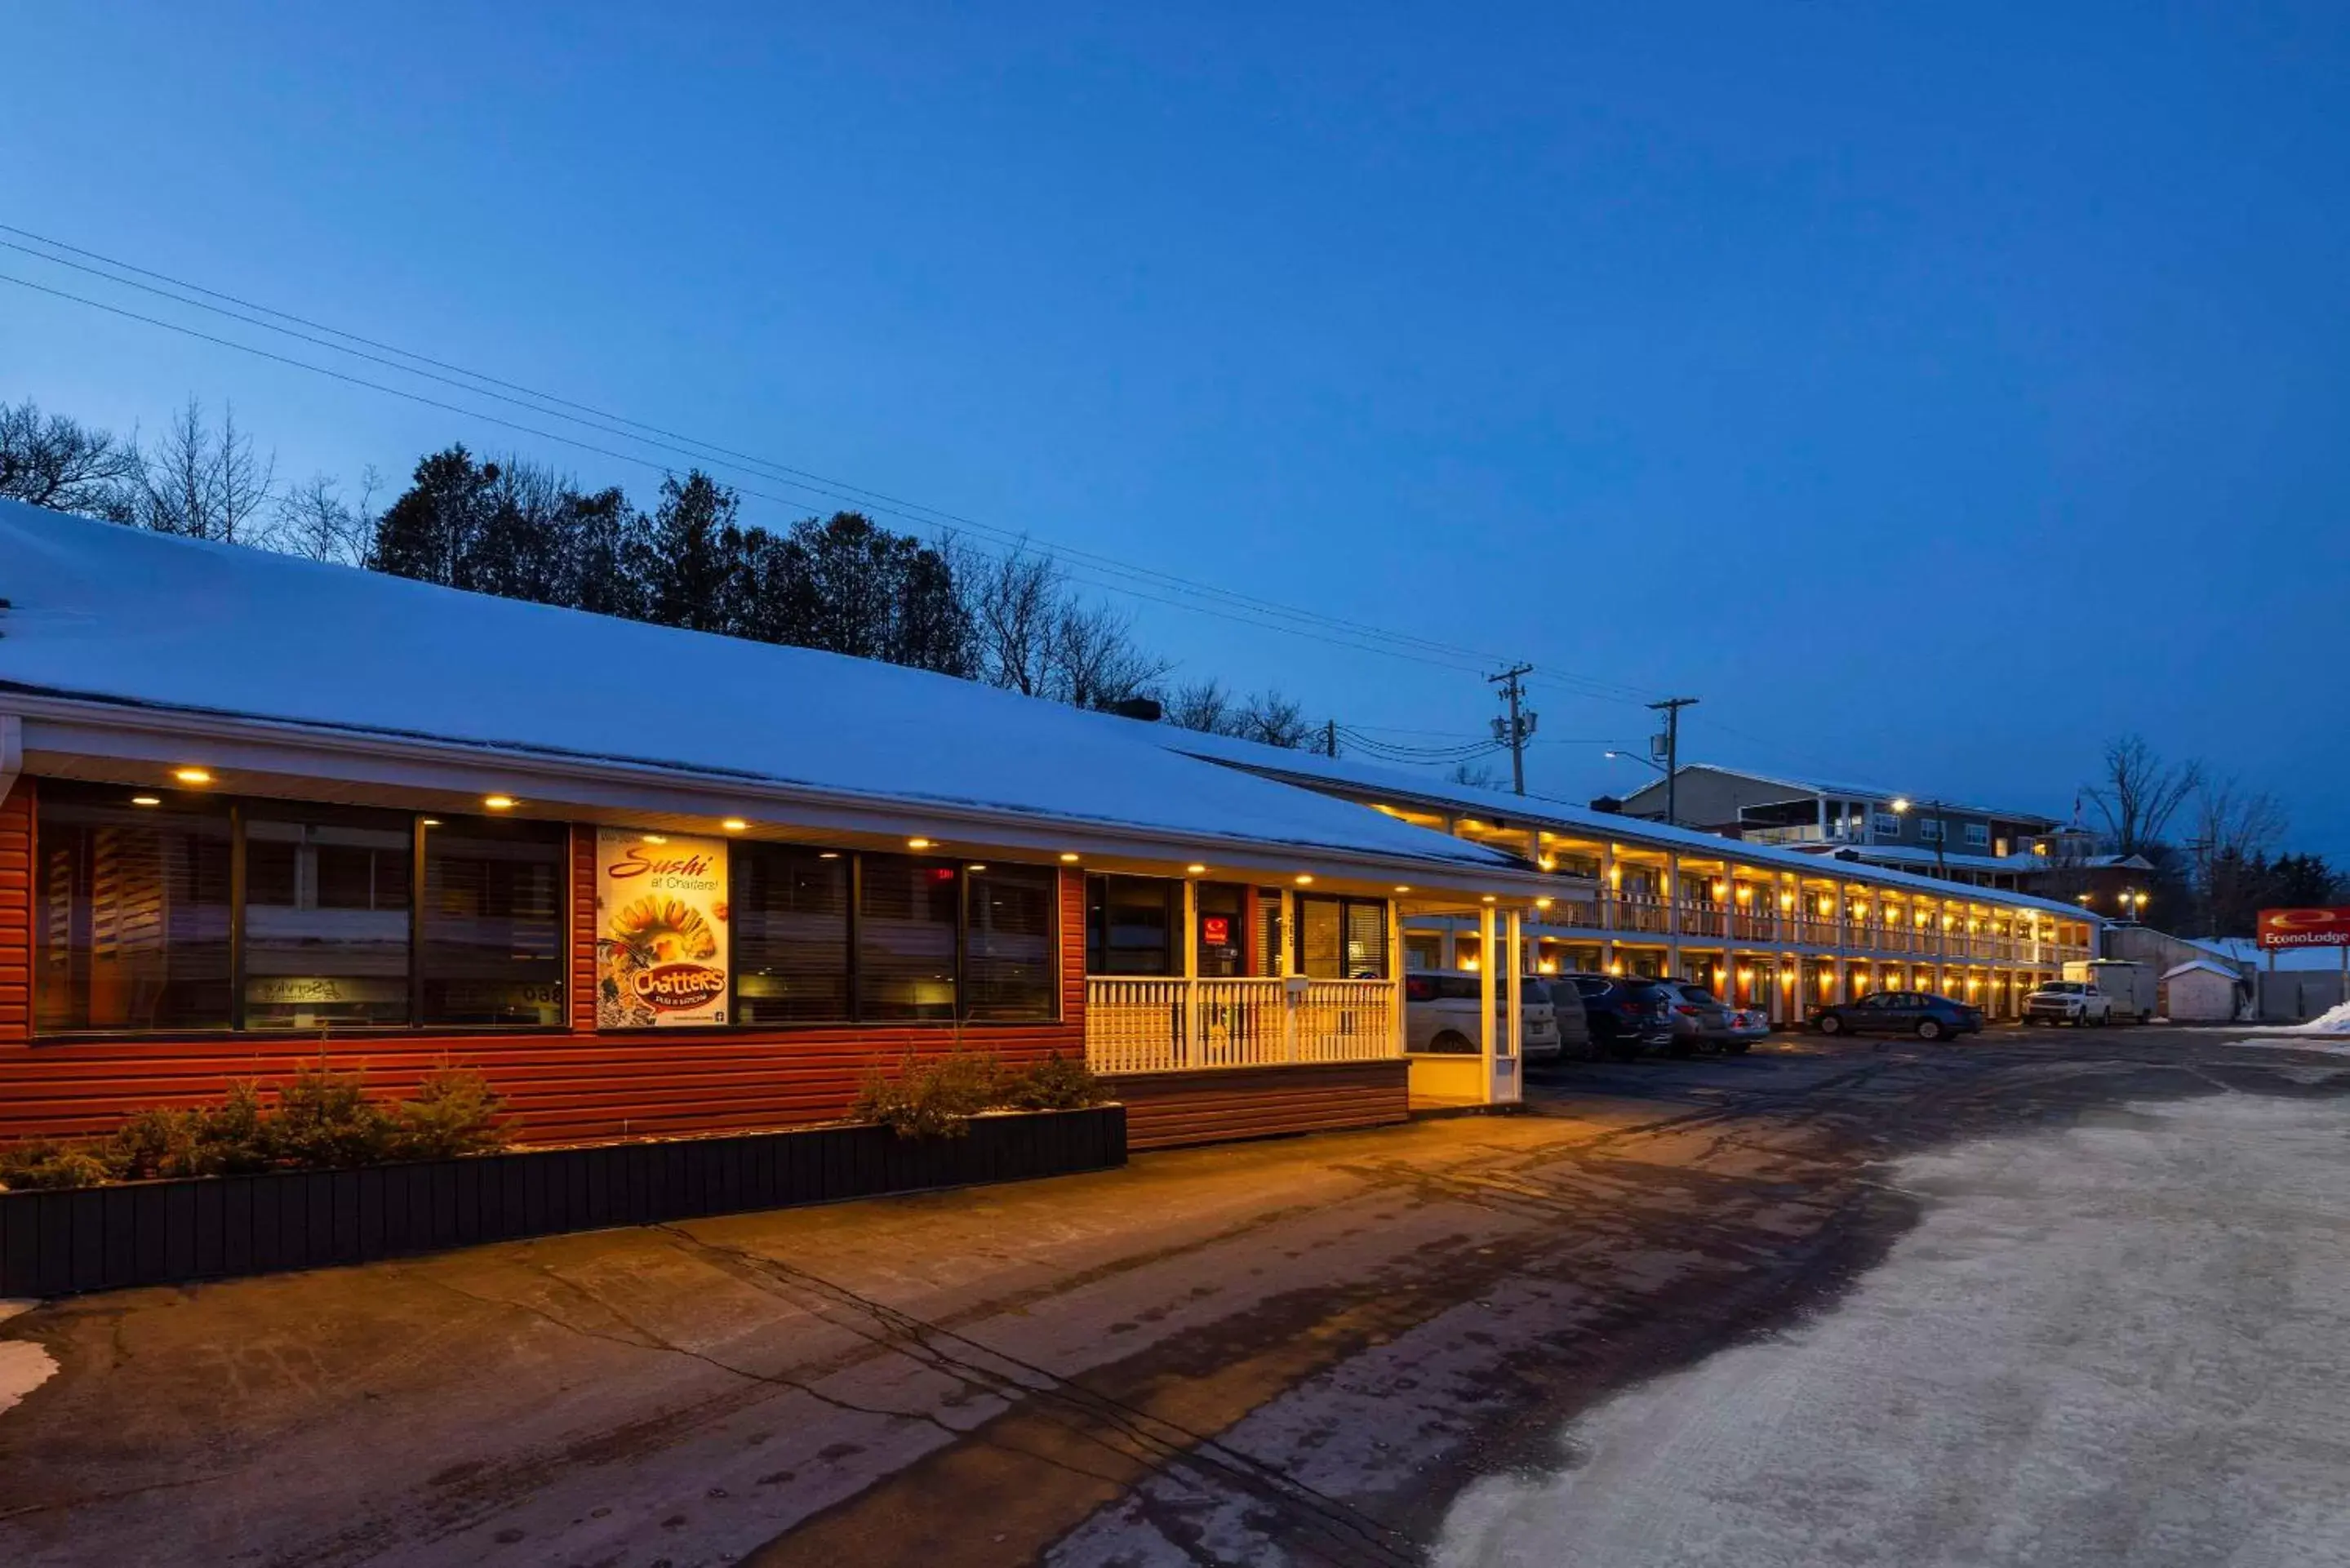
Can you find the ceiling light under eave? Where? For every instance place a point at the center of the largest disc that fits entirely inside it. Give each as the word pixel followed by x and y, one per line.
pixel 918 843
pixel 733 824
pixel 146 800
pixel 193 775
pixel 500 802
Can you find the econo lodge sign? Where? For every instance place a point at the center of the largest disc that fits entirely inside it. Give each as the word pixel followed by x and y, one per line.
pixel 2305 928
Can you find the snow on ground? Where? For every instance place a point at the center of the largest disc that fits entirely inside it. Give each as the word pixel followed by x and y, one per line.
pixel 2118 1343
pixel 23 1366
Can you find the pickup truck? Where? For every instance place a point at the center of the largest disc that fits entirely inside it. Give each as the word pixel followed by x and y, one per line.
pixel 2078 1002
pixel 2099 991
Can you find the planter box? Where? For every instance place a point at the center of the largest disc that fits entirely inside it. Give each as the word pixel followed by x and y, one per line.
pixel 164 1232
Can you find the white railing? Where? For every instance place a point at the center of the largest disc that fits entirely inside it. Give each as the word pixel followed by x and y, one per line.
pixel 1184 1026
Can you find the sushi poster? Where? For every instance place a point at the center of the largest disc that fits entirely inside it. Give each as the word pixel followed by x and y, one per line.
pixel 661 930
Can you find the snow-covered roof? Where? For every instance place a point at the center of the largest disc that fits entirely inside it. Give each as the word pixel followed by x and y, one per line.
pixel 1315 770
pixel 1858 791
pixel 2249 951
pixel 2208 966
pixel 120 616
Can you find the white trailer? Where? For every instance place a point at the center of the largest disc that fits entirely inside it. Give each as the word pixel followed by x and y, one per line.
pixel 2130 989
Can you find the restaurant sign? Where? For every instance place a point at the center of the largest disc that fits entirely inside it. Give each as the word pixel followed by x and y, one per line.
pixel 2328 927
pixel 661 930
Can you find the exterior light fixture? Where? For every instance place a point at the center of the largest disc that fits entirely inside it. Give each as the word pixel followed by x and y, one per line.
pixel 1542 903
pixel 498 802
pixel 1489 897
pixel 431 822
pixel 145 800
pixel 191 775
pixel 1403 886
pixel 975 867
pixel 733 824
pixel 918 843
pixel 1195 870
pixel 656 838
pixel 1305 879
pixel 1068 857
pixel 1900 804
pixel 827 855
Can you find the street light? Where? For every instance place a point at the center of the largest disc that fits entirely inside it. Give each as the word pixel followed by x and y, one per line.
pixel 2132 902
pixel 1634 757
pixel 1902 805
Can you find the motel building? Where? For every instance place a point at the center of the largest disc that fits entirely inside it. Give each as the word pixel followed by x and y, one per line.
pixel 257 813
pixel 1762 927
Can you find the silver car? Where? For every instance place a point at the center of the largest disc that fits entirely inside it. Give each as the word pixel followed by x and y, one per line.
pixel 1700 1019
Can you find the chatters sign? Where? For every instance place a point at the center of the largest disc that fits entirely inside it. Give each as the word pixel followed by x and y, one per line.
pixel 660 932
pixel 2305 928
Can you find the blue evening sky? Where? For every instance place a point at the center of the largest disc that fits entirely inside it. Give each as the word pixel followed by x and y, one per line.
pixel 1933 392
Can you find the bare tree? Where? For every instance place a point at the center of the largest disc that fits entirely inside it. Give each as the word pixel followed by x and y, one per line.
pixel 203 487
pixel 1476 775
pixel 1274 720
pixel 314 522
pixel 1202 705
pixel 1013 602
pixel 2141 793
pixel 63 464
pixel 1094 661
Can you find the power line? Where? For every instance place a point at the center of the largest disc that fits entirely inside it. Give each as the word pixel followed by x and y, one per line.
pixel 1337 642
pixel 624 428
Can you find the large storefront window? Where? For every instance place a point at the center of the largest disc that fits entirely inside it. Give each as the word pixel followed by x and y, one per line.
pixel 130 912
pixel 1011 967
pixel 1132 925
pixel 906 913
pixel 326 896
pixel 791 934
pixel 491 927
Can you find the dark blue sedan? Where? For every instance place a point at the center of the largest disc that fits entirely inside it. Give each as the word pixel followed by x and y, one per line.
pixel 1927 1016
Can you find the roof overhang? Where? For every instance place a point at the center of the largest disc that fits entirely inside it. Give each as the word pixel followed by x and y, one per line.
pixel 101 742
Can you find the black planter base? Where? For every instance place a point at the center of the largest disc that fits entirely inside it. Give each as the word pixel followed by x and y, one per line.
pixel 165 1233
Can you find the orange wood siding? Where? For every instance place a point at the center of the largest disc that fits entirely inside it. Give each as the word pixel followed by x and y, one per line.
pixel 17 915
pixel 561 1086
pixel 1166 1110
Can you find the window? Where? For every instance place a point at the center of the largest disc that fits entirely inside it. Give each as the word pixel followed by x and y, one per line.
pixel 1887 823
pixel 1011 960
pixel 1342 938
pixel 908 914
pixel 790 918
pixel 326 916
pixel 1930 828
pixel 1979 834
pixel 130 913
pixel 1132 924
pixel 491 928
pixel 1221 937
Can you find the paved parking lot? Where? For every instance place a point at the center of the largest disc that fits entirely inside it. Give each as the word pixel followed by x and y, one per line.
pixel 1913 1294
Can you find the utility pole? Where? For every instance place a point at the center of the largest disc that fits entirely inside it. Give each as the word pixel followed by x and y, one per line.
pixel 1330 738
pixel 1671 707
pixel 1516 730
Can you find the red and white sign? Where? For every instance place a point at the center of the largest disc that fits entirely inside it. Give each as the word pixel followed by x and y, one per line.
pixel 1215 930
pixel 2305 928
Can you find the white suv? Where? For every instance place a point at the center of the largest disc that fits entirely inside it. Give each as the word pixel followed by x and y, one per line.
pixel 1439 1013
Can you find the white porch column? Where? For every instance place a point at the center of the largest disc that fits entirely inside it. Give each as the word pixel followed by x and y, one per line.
pixel 1511 1090
pixel 1191 1048
pixel 1673 916
pixel 1610 889
pixel 1488 1003
pixel 1395 972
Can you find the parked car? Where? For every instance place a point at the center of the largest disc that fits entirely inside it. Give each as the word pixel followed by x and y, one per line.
pixel 1574 1024
pixel 1747 1025
pixel 2078 1002
pixel 1439 1010
pixel 1625 1014
pixel 1917 1013
pixel 1699 1020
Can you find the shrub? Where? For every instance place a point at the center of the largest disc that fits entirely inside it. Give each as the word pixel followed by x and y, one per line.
pixel 931 1100
pixel 161 1140
pixel 1055 1083
pixel 49 1162
pixel 324 1121
pixel 454 1112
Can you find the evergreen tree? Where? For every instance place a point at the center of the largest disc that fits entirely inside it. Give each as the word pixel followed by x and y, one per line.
pixel 430 533
pixel 694 572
